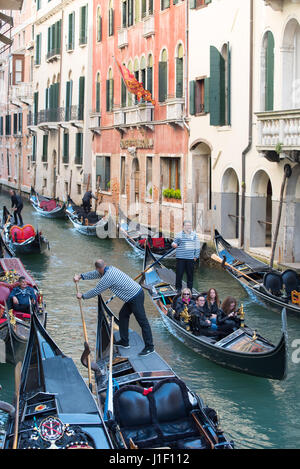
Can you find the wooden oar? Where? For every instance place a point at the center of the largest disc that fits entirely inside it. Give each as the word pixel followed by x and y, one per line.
pixel 144 271
pixel 17 393
pixel 86 340
pixel 218 259
pixel 110 407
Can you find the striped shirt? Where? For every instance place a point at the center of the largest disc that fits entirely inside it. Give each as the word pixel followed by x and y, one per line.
pixel 188 245
pixel 117 281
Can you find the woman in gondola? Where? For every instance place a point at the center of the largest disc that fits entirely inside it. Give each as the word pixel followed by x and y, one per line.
pixel 184 301
pixel 228 316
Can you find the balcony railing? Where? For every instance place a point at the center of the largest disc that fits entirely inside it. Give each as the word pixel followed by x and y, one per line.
pixel 60 114
pixel 122 38
pixel 279 130
pixel 174 108
pixel 22 91
pixel 149 26
pixel 135 115
pixel 53 54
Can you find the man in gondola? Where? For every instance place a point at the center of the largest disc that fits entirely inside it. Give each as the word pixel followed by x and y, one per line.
pixel 187 245
pixel 17 206
pixel 128 291
pixel 22 297
pixel 87 201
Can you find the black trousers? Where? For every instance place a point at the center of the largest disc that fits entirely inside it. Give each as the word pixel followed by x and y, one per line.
pixel 17 215
pixel 184 265
pixel 135 306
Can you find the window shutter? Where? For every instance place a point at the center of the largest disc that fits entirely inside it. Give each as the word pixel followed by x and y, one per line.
pixel 149 79
pixel 150 7
pixel 130 12
pixel 207 2
pixel 36 107
pixel 179 78
pixel 107 96
pixel 162 71
pixel 192 97
pixel 49 40
pixel 217 88
pixel 228 85
pixel 124 14
pixel 111 22
pixel 269 100
pixel 144 8
pixel 81 98
pixel 59 36
pixel 66 148
pixel 67 112
pixel 206 94
pixel 97 97
pixel 192 4
pixel 123 93
pixel 111 94
pixel 99 33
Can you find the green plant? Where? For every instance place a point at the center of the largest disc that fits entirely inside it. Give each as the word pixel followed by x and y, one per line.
pixel 172 194
pixel 278 148
pixel 108 185
pixel 150 191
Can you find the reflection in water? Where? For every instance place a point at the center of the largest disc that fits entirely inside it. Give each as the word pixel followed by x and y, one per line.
pixel 254 412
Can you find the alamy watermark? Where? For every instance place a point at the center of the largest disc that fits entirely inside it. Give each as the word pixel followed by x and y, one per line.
pixel 296 353
pixel 2 351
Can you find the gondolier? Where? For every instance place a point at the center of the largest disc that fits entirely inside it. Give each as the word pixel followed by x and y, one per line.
pixel 17 206
pixel 128 291
pixel 187 246
pixel 86 201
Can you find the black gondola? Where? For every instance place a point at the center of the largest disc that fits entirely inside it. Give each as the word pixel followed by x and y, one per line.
pixel 137 236
pixel 56 408
pixel 145 405
pixel 46 206
pixel 243 350
pixel 14 325
pixel 84 223
pixel 15 240
pixel 278 289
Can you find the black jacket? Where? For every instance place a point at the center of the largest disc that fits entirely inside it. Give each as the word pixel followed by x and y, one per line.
pixel 16 201
pixel 223 319
pixel 211 309
pixel 199 317
pixel 181 305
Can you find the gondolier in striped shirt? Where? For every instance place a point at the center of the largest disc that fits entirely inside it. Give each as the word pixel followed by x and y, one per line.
pixel 128 291
pixel 187 246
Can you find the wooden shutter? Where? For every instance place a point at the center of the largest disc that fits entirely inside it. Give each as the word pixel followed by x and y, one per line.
pixel 81 98
pixel 217 88
pixel 66 148
pixel 192 4
pixel 97 96
pixel 228 85
pixel 150 7
pixel 163 77
pixel 130 12
pixel 179 78
pixel 124 14
pixel 150 79
pixel 206 94
pixel 269 93
pixel 192 98
pixel 123 93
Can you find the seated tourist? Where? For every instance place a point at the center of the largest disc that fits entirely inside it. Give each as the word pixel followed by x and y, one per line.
pixel 21 297
pixel 184 301
pixel 200 323
pixel 212 304
pixel 228 316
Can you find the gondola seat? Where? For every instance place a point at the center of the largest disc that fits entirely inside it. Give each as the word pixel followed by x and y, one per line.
pixel 48 205
pixel 158 243
pixel 157 416
pixel 290 280
pixel 273 283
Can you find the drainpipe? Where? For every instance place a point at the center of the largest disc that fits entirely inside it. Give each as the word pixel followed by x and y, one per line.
pixel 250 131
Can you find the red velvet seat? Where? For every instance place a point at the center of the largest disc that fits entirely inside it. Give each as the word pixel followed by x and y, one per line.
pixel 158 242
pixel 48 205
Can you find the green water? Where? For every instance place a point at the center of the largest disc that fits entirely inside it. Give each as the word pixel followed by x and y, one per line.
pixel 254 412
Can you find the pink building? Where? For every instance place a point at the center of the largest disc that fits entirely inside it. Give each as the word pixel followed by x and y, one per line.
pixel 140 150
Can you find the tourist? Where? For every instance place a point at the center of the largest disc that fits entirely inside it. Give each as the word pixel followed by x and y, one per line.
pixel 228 316
pixel 184 301
pixel 128 291
pixel 22 297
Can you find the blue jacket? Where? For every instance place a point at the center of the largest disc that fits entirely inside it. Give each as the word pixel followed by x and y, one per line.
pixel 23 295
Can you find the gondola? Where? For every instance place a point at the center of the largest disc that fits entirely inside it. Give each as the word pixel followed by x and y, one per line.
pixel 22 240
pixel 144 403
pixel 86 224
pixel 56 408
pixel 278 289
pixel 243 350
pixel 137 235
pixel 15 325
pixel 47 207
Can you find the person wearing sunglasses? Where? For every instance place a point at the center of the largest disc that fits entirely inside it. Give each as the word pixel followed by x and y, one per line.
pixel 184 301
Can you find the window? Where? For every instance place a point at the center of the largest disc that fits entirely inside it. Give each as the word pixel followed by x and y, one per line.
pixel 68 109
pixel 81 98
pixel 170 171
pixel 33 158
pixel 268 72
pixel 1 125
pixel 219 86
pixel 179 72
pixel 45 149
pixel 79 148
pixel 71 31
pixel 163 77
pixel 149 188
pixel 111 19
pixel 127 13
pixel 103 171
pixel 147 8
pixel 199 102
pixel 35 107
pixel 18 66
pixel 150 74
pixel 66 148
pixel 98 90
pixel 122 178
pixel 83 25
pixel 54 39
pixel 164 4
pixel 197 3
pixel 38 46
pixel 109 92
pixel 99 25
pixel 8 125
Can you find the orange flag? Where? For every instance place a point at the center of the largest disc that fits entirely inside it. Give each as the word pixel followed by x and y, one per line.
pixel 133 85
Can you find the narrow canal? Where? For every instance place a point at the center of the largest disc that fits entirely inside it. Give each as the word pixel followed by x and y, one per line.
pixel 254 412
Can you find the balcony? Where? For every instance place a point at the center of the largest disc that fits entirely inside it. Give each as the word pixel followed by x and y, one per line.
pixel 46 117
pixel 279 134
pixel 95 122
pixel 149 26
pixel 53 55
pixel 277 5
pixel 175 111
pixel 22 92
pixel 122 38
pixel 140 114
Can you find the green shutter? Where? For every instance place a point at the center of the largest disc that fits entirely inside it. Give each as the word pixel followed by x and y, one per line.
pixel 179 78
pixel 192 98
pixel 149 79
pixel 175 2
pixel 144 8
pixel 228 85
pixel 107 95
pixel 150 6
pixel 207 2
pixel 217 88
pixel 123 93
pixel 192 3
pixel 97 97
pixel 206 94
pixel 162 81
pixel 66 148
pixel 269 92
pixel 81 98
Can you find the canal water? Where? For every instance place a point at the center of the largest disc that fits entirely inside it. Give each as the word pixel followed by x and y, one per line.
pixel 254 412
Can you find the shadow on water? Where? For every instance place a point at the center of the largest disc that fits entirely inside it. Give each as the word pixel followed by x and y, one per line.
pixel 254 412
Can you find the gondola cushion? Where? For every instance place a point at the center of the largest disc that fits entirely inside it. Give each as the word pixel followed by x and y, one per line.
pixel 48 205
pixel 291 281
pixel 21 234
pixel 158 242
pixel 273 283
pixel 4 293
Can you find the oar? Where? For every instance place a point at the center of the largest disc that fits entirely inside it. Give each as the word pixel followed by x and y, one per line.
pixel 86 340
pixel 144 271
pixel 17 391
pixel 110 408
pixel 218 259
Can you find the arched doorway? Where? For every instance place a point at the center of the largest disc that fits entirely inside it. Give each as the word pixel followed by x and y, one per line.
pixel 135 187
pixel 201 188
pixel 261 210
pixel 230 205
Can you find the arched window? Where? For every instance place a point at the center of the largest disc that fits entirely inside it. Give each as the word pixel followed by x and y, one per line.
pixel 137 75
pixel 163 76
pixel 110 91
pixel 150 74
pixel 291 66
pixel 98 92
pixel 179 71
pixel 267 72
pixel 111 18
pixel 99 24
pixel 127 13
